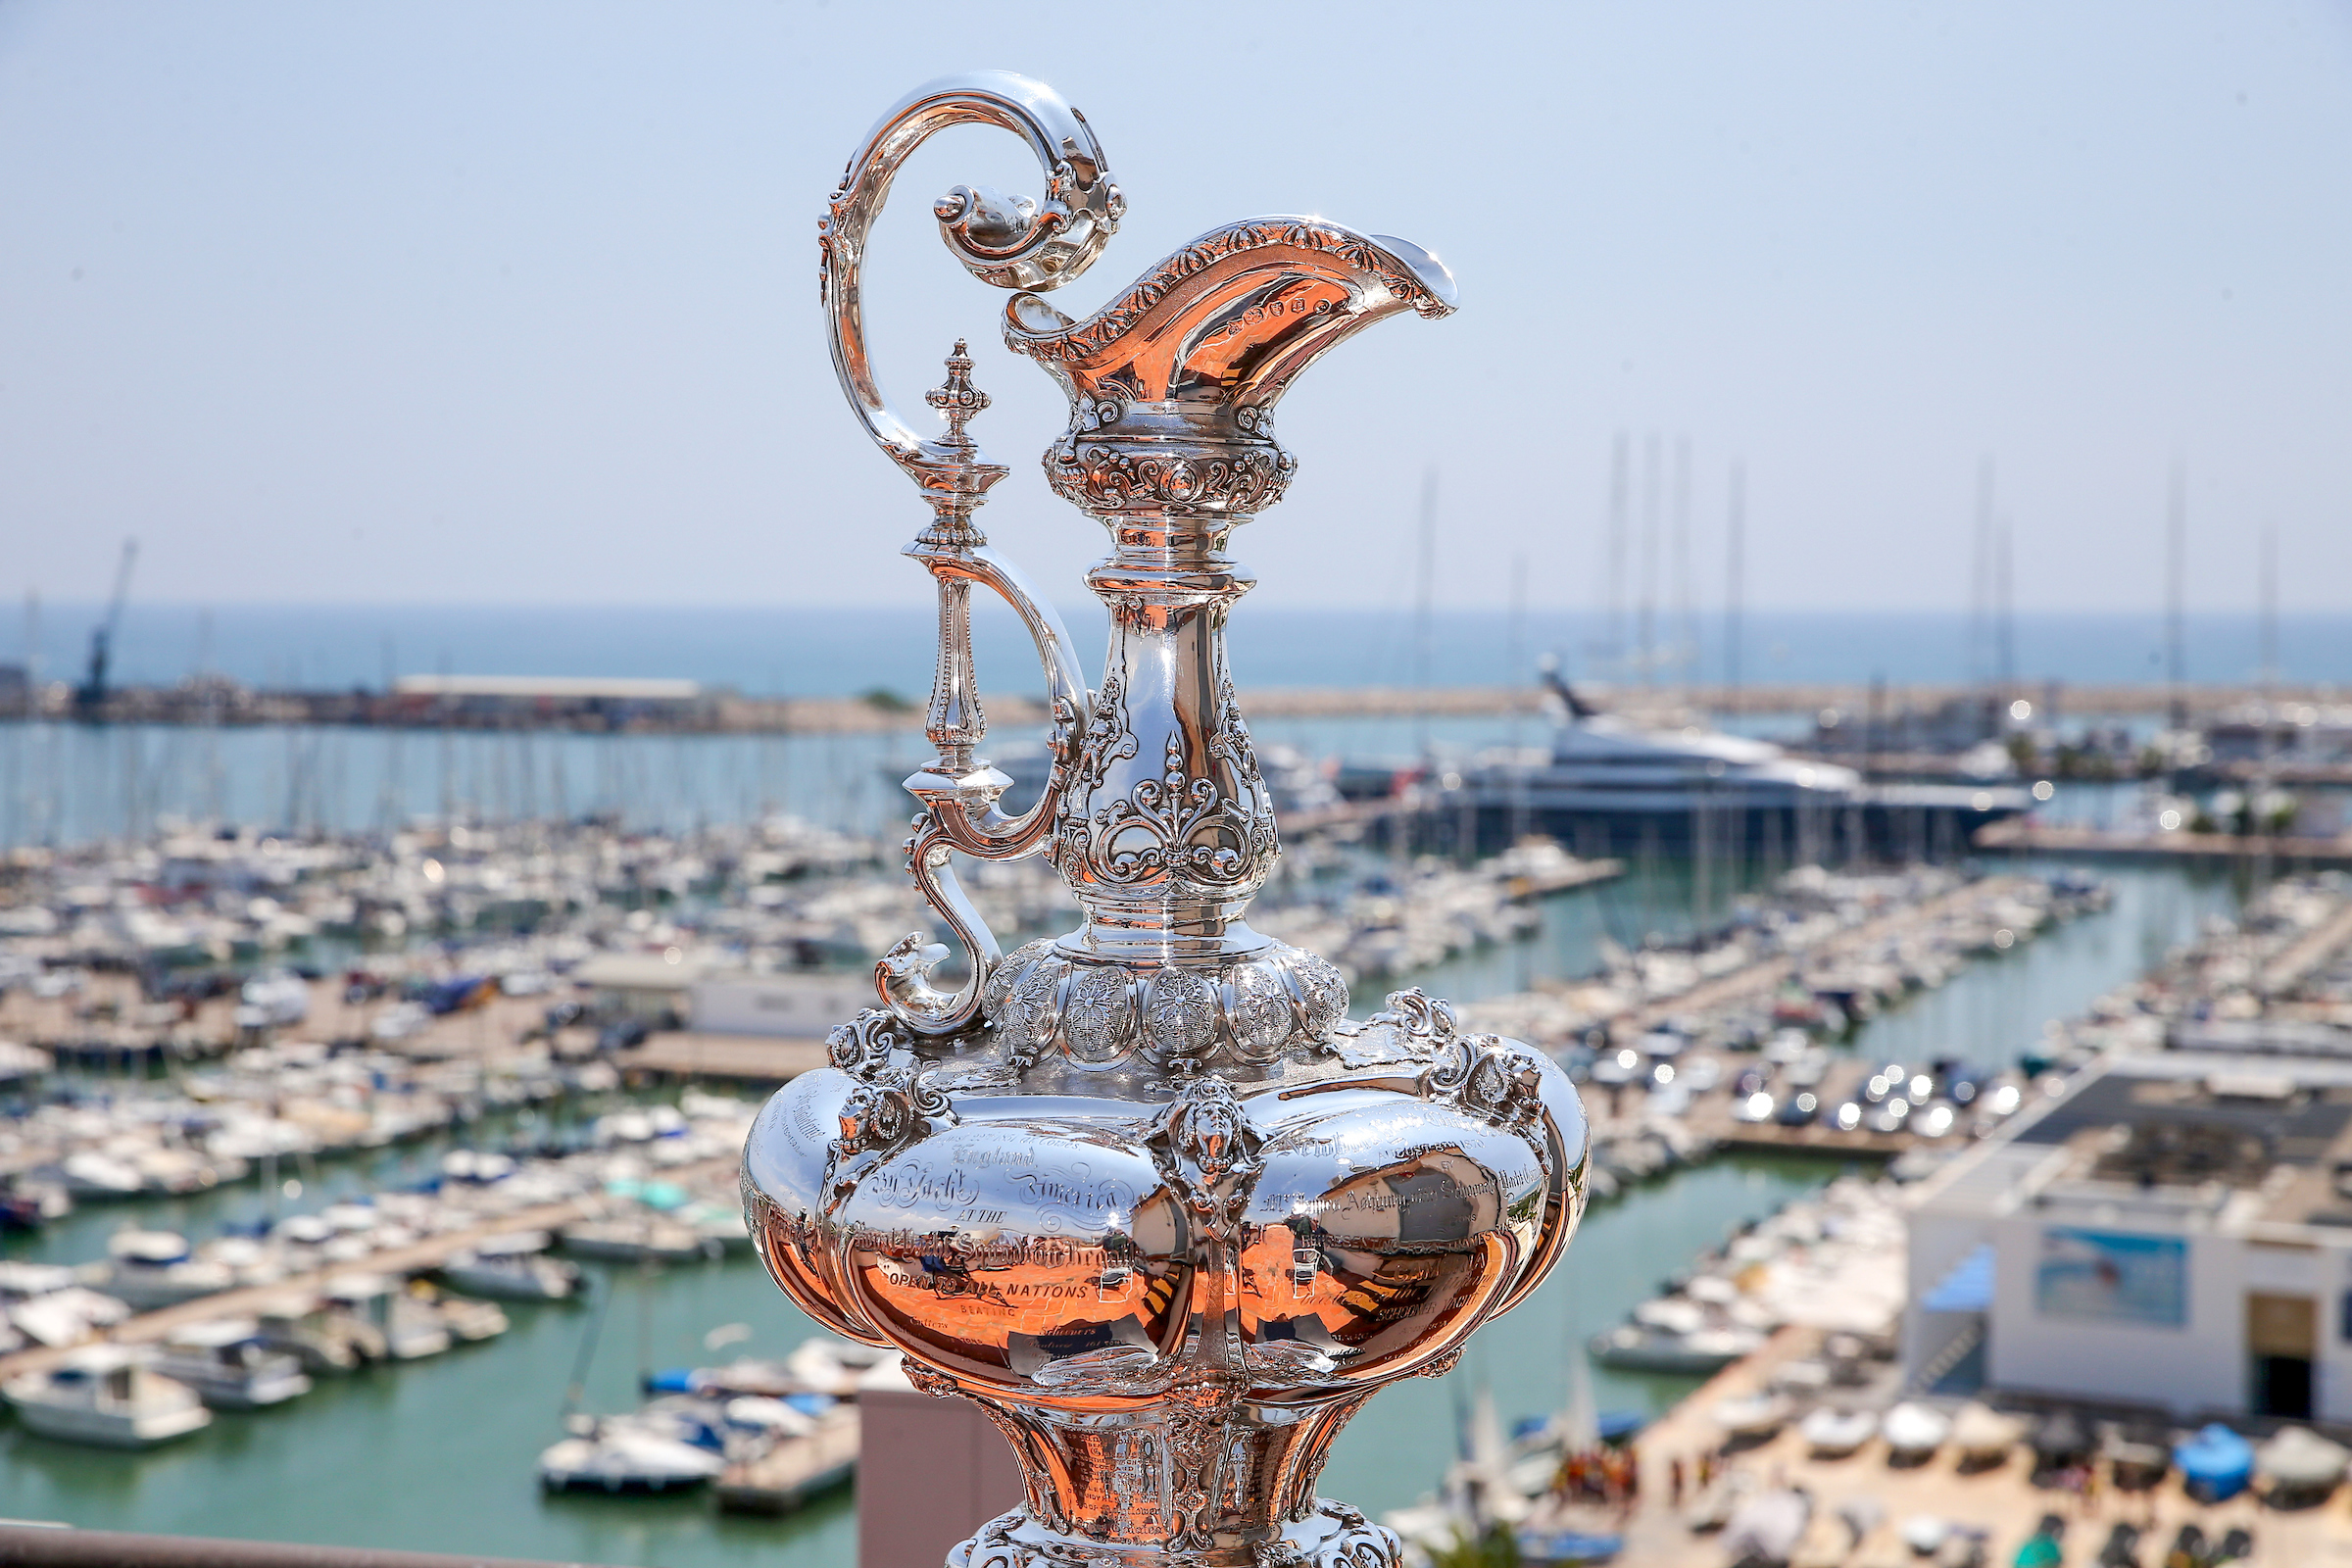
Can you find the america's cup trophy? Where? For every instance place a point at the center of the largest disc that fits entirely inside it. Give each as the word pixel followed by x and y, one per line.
pixel 1142 1191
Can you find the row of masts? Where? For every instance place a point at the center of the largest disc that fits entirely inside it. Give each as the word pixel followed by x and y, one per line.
pixel 1642 644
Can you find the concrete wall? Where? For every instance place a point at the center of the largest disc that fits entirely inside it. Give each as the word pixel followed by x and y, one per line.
pixel 930 1472
pixel 1936 1244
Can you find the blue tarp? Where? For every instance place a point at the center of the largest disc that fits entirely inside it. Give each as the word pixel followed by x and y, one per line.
pixel 1968 1287
pixel 1615 1426
pixel 2216 1462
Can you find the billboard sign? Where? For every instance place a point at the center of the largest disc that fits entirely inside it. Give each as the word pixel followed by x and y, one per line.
pixel 2110 1277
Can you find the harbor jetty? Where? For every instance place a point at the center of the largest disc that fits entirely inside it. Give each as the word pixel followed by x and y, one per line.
pixel 415 1258
pixel 2067 841
pixel 684 707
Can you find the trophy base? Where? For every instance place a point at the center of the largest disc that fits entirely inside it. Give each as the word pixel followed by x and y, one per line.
pixel 1333 1535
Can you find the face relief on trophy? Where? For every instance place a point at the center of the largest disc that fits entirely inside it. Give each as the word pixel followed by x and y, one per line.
pixel 1143 1190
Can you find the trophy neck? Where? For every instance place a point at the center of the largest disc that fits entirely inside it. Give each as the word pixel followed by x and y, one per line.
pixel 1166 829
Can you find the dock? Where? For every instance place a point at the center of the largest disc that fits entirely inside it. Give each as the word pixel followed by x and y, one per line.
pixel 2020 836
pixel 796 1469
pixel 417 1258
pixel 747 1058
pixel 684 707
pixel 1758 981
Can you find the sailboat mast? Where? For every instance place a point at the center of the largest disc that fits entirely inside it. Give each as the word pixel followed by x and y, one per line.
pixel 1685 625
pixel 1646 614
pixel 2175 588
pixel 1735 586
pixel 1423 608
pixel 1620 500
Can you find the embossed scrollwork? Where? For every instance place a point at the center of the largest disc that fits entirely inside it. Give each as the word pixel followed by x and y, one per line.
pixel 1181 826
pixel 890 1109
pixel 865 1046
pixel 1078 340
pixel 1110 477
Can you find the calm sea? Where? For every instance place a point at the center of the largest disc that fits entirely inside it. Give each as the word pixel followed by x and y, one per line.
pixel 825 651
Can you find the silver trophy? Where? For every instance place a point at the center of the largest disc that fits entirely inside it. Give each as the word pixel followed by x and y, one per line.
pixel 1144 1193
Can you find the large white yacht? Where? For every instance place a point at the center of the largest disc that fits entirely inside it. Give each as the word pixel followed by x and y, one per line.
pixel 104 1395
pixel 1608 786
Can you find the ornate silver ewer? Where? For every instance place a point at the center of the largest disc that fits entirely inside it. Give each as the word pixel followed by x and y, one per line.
pixel 1142 1191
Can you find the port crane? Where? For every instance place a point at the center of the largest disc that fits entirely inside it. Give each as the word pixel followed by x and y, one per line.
pixel 89 701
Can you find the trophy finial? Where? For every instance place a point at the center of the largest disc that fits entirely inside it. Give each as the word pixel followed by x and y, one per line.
pixel 958 399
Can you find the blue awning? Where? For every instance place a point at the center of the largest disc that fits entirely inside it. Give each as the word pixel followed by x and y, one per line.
pixel 1968 1287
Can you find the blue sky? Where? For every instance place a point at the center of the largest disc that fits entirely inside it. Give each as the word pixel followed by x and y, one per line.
pixel 440 303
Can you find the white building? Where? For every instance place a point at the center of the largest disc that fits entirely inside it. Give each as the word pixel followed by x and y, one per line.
pixel 795 1006
pixel 2174 1230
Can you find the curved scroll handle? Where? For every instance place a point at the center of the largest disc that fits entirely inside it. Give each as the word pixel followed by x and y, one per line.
pixel 959 794
pixel 1010 242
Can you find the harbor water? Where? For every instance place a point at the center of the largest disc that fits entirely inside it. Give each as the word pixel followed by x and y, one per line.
pixel 439 1455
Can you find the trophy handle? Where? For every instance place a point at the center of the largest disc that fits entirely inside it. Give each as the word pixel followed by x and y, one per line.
pixel 1014 243
pixel 1011 242
pixel 959 793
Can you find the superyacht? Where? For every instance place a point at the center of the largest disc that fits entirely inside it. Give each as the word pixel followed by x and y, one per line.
pixel 1608 786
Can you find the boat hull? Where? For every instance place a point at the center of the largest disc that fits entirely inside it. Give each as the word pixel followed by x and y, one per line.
pixel 103 1429
pixel 1929 824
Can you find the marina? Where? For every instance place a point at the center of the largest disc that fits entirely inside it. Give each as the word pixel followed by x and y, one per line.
pixel 588 978
pixel 1673 1206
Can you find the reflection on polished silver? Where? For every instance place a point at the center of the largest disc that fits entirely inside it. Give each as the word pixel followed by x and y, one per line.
pixel 1143 1190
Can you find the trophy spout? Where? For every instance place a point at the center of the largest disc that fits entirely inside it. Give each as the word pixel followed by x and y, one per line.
pixel 1204 344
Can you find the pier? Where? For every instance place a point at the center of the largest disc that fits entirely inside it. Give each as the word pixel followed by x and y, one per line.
pixel 793 1472
pixel 2022 836
pixel 680 706
pixel 429 1252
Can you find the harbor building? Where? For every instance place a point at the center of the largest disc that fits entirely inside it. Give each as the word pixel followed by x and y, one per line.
pixel 2173 1228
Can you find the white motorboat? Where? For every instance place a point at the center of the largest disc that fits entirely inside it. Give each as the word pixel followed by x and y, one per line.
pixel 229 1366
pixel 718 1223
pixel 823 1364
pixel 1636 1347
pixel 620 1455
pixel 511 1268
pixel 462 1316
pixel 476 1166
pixel 105 1397
pixel 90 1173
pixel 65 1316
pixel 638 1238
pixel 415 1329
pixel 1752 1415
pixel 153 1269
pixel 412 1329
pixel 324 1336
